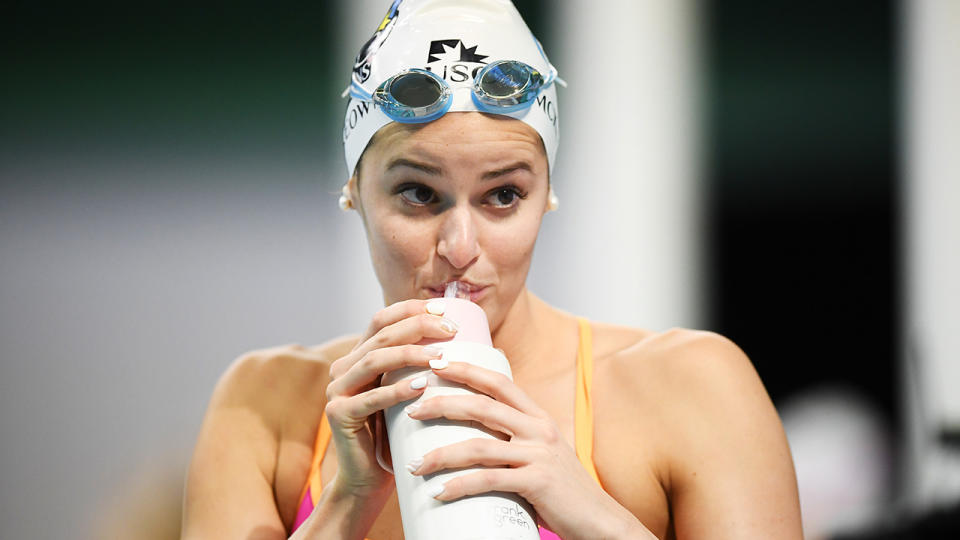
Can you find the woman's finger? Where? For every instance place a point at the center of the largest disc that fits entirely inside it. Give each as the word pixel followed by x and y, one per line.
pixel 374 363
pixel 479 408
pixel 353 411
pixel 410 330
pixel 494 384
pixel 398 311
pixel 509 480
pixel 403 332
pixel 472 452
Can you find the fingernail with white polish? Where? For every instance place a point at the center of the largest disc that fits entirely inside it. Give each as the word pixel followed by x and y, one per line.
pixel 412 408
pixel 436 307
pixel 418 383
pixel 438 364
pixel 448 325
pixel 435 490
pixel 414 464
pixel 433 351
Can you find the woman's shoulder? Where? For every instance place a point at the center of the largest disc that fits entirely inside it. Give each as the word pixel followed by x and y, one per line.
pixel 690 404
pixel 684 395
pixel 684 373
pixel 269 378
pixel 284 360
pixel 697 382
pixel 254 445
pixel 675 354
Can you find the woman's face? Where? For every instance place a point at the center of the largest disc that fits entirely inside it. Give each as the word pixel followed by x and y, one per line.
pixel 459 198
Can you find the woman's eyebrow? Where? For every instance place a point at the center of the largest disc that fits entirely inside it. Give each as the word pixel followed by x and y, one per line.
pixel 403 162
pixel 520 165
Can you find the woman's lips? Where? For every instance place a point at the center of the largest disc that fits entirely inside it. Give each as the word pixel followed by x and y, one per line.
pixel 471 291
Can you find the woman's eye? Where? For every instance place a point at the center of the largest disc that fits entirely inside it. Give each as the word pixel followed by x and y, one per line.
pixel 504 197
pixel 419 195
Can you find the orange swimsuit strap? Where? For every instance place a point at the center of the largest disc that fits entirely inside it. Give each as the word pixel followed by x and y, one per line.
pixel 583 405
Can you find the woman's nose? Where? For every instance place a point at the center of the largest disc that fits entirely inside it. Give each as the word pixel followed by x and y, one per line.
pixel 458 238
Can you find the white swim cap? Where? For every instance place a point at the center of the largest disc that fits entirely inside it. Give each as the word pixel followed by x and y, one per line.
pixel 453 40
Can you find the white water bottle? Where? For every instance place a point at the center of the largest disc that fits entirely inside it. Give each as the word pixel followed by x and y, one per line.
pixel 491 516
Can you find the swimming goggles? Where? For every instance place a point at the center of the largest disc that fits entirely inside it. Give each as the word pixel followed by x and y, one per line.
pixel 416 95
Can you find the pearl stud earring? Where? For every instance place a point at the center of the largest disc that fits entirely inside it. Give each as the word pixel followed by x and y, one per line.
pixel 345 202
pixel 553 202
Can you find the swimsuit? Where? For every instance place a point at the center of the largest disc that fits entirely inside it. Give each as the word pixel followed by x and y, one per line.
pixel 583 433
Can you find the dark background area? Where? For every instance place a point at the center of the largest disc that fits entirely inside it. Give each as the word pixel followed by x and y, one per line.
pixel 804 206
pixel 181 78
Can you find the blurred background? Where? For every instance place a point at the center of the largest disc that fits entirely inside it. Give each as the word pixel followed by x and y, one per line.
pixel 785 174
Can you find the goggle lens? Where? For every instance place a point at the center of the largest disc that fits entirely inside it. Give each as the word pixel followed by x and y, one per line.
pixel 504 80
pixel 415 90
pixel 413 96
pixel 506 86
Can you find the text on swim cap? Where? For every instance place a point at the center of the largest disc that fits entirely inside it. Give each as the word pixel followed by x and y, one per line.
pixel 548 109
pixel 354 115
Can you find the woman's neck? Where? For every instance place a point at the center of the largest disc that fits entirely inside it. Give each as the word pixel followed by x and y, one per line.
pixel 532 333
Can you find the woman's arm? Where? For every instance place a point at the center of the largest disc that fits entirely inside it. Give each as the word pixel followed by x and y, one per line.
pixel 339 515
pixel 731 472
pixel 230 483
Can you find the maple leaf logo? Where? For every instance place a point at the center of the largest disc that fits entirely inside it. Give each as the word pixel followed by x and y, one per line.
pixel 453 50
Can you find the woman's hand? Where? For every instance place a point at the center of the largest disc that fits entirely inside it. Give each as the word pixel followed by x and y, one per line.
pixel 535 462
pixel 354 394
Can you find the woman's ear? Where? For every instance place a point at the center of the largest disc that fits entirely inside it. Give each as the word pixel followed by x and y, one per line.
pixel 348 194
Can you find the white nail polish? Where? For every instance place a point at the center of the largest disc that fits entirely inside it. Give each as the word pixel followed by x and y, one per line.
pixel 414 464
pixel 448 325
pixel 412 408
pixel 433 351
pixel 435 490
pixel 438 364
pixel 436 307
pixel 418 383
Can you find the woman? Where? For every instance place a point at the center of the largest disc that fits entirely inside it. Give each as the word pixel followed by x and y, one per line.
pixel 673 435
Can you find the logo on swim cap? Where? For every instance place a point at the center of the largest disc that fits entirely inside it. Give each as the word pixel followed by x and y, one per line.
pixel 467 54
pixel 458 63
pixel 361 66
